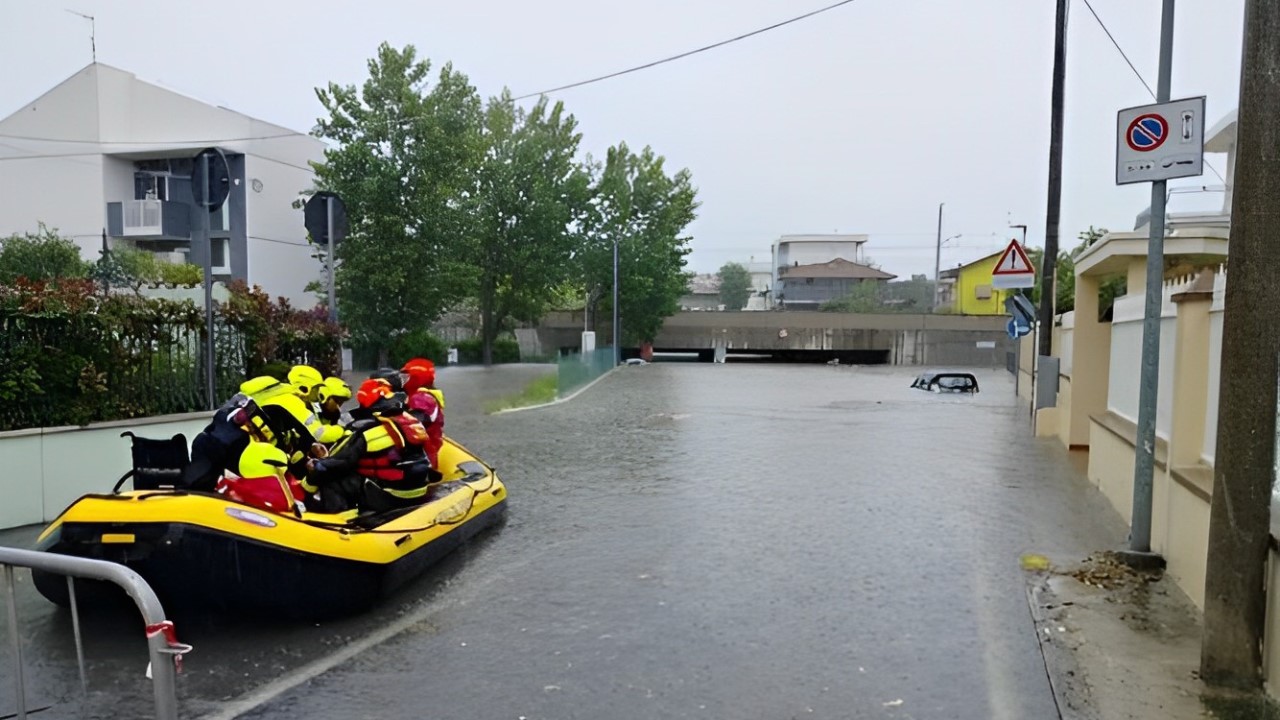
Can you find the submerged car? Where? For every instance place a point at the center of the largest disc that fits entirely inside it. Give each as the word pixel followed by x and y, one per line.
pixel 946 381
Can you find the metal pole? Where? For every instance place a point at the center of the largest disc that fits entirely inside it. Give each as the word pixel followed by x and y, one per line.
pixel 202 210
pixel 1144 452
pixel 333 304
pixel 937 263
pixel 75 629
pixel 17 642
pixel 1053 212
pixel 617 349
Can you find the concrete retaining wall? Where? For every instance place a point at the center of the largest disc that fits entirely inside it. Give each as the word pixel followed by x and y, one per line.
pixel 904 339
pixel 42 470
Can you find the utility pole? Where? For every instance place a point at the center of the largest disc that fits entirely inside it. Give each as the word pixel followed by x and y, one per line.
pixel 1148 383
pixel 1049 269
pixel 617 349
pixel 1244 468
pixel 937 263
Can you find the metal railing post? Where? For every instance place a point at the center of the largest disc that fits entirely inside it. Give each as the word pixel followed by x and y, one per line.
pixel 160 638
pixel 18 675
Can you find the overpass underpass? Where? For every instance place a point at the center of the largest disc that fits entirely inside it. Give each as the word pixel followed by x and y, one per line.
pixel 706 355
pixel 810 337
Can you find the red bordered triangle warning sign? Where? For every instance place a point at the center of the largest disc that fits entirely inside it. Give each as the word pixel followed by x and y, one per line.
pixel 1014 261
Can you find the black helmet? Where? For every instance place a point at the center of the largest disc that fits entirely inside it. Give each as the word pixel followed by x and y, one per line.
pixel 391 375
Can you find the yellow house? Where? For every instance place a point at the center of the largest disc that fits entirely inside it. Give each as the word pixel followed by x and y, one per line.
pixel 967 290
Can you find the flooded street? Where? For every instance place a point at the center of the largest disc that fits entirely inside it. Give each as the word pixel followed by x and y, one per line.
pixel 683 541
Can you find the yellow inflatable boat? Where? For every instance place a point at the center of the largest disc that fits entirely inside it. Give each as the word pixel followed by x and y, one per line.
pixel 205 551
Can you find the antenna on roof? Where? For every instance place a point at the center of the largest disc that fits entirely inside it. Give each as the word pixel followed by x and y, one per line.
pixel 93 32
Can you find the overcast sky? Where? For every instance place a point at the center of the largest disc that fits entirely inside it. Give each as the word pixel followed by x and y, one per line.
pixel 858 120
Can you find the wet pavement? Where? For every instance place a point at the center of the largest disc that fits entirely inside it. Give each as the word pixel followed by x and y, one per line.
pixel 683 541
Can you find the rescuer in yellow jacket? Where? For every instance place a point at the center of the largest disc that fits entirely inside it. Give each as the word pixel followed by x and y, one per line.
pixel 381 465
pixel 289 423
pixel 332 395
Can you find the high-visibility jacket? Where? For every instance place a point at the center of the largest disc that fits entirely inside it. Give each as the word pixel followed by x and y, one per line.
pixel 427 405
pixel 287 413
pixel 383 449
pixel 333 426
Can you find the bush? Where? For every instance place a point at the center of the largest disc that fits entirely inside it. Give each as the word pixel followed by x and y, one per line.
pixel 184 274
pixel 43 255
pixel 505 350
pixel 276 369
pixel 70 357
pixel 417 343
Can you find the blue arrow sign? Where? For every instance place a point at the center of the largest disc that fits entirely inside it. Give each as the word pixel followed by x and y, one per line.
pixel 1016 329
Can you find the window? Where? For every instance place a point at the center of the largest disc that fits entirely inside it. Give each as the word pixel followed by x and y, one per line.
pixel 147 186
pixel 221 260
pixel 982 292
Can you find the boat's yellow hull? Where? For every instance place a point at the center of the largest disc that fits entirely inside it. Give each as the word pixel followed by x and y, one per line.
pixel 204 551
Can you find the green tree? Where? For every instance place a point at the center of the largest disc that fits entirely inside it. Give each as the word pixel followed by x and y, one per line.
pixel 42 255
pixel 530 193
pixel 1065 270
pixel 735 286
pixel 637 204
pixel 908 296
pixel 865 297
pixel 404 157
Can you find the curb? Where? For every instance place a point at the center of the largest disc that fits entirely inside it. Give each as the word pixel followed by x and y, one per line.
pixel 559 401
pixel 1070 689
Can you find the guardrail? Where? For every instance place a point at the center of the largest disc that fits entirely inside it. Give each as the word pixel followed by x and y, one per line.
pixel 165 651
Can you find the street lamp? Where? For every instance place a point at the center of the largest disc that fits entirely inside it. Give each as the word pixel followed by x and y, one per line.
pixel 937 273
pixel 1024 234
pixel 617 351
pixel 937 260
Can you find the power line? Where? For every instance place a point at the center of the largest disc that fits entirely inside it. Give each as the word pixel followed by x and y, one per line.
pixel 1119 49
pixel 1138 74
pixel 672 58
pixel 280 242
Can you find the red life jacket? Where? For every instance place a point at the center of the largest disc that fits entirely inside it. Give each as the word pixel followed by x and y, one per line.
pixel 383 445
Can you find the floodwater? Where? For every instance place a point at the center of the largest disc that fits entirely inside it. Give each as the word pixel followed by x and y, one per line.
pixel 683 541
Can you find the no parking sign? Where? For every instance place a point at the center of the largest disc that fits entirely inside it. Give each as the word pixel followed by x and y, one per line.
pixel 1159 142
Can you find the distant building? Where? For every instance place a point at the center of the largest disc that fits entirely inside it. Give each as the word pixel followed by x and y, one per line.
pixel 703 293
pixel 104 153
pixel 761 285
pixel 967 290
pixel 793 250
pixel 807 287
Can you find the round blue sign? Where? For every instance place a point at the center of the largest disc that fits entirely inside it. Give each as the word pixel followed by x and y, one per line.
pixel 1016 329
pixel 1147 132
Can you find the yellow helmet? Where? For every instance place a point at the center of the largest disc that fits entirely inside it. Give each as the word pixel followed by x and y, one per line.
pixel 335 388
pixel 261 459
pixel 255 386
pixel 306 379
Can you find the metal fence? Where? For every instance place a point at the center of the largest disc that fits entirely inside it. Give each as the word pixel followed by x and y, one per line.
pixel 76 370
pixel 574 370
pixel 164 649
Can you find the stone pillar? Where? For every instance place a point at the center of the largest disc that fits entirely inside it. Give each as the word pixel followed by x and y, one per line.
pixel 1090 363
pixel 1191 372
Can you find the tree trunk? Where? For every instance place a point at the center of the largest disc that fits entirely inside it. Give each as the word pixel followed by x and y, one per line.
pixel 486 325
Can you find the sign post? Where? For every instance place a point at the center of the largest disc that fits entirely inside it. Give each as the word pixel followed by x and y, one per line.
pixel 210 185
pixel 1155 143
pixel 325 217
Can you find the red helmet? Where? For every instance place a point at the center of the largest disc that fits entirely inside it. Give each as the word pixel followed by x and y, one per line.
pixel 373 390
pixel 419 373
